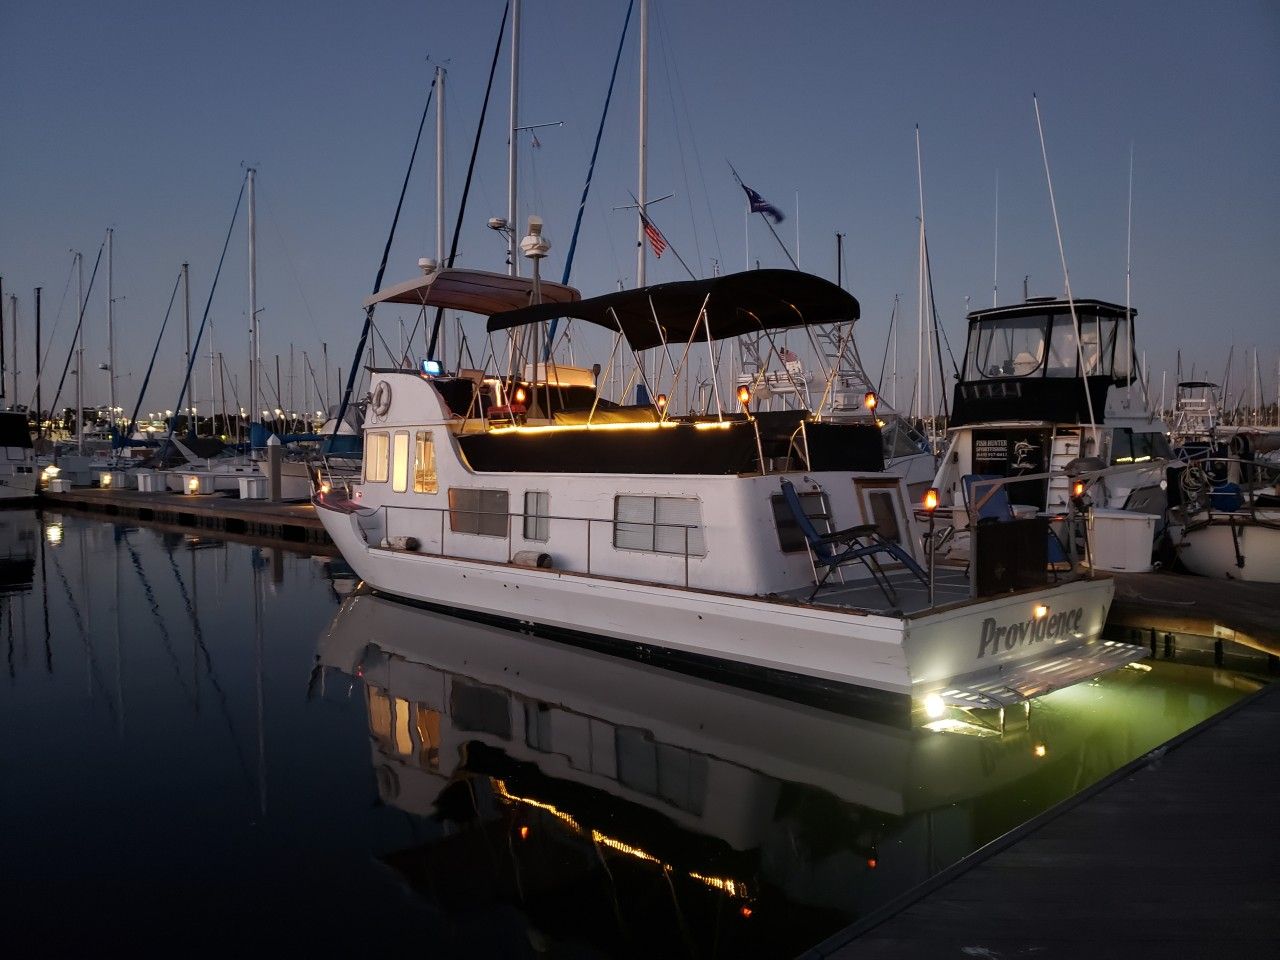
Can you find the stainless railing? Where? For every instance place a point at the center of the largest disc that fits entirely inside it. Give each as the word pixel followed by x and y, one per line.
pixel 370 530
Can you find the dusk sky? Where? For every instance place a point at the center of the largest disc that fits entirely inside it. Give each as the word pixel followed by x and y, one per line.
pixel 140 115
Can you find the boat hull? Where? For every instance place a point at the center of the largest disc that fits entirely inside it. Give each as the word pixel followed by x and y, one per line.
pixel 881 661
pixel 1231 547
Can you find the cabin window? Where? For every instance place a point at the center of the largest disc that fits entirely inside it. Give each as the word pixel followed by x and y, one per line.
pixel 400 461
pixel 479 511
pixel 816 507
pixel 376 448
pixel 537 515
pixel 658 525
pixel 424 464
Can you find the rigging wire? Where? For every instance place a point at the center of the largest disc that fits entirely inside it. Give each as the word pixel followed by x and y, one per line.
pixel 76 336
pixel 42 361
pixel 195 347
pixel 466 187
pixel 675 122
pixel 133 417
pixel 354 373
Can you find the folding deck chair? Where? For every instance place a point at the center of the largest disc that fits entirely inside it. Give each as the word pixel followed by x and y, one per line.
pixel 861 543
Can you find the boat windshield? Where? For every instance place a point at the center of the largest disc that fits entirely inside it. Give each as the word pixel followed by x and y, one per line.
pixel 1045 346
pixel 1005 347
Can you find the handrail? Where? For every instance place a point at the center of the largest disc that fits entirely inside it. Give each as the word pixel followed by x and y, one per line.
pixel 368 529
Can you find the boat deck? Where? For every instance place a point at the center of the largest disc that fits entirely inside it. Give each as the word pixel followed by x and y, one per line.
pixel 950 585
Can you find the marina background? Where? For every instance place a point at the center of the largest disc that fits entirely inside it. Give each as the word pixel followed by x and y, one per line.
pixel 139 116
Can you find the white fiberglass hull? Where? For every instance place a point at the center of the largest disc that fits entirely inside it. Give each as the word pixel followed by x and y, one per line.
pixel 1231 547
pixel 883 661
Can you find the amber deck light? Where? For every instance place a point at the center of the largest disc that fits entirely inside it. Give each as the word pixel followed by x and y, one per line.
pixel 930 497
pixel 744 395
pixel 870 400
pixel 1077 488
pixel 661 401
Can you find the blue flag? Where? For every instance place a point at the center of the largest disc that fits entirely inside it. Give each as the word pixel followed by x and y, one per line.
pixel 760 205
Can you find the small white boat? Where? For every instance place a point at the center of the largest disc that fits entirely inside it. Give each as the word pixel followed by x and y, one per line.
pixel 19 479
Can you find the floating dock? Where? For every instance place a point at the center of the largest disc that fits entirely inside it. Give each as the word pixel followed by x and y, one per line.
pixel 1180 604
pixel 217 513
pixel 1174 855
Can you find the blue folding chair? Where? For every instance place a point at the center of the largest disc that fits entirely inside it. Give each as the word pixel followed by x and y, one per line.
pixel 861 543
pixel 993 505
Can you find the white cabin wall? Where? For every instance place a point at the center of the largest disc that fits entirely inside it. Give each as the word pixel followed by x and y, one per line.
pixel 742 552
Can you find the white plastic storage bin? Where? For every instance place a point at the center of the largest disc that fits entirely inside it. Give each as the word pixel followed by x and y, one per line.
pixel 59 485
pixel 150 481
pixel 253 488
pixel 1121 540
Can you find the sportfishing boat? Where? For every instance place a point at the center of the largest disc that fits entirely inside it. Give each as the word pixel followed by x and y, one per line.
pixel 694 540
pixel 1224 502
pixel 1049 392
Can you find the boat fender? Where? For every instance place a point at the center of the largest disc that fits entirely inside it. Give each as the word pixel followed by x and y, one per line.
pixel 400 543
pixel 531 558
pixel 381 399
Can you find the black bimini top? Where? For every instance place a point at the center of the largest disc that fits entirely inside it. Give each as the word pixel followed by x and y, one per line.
pixel 736 304
pixel 1037 306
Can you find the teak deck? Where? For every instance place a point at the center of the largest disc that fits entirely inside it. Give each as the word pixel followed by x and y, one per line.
pixel 1174 855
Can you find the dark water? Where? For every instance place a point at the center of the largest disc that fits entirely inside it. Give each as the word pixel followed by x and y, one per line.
pixel 202 750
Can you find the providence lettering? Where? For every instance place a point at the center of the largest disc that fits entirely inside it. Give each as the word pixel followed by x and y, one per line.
pixel 996 638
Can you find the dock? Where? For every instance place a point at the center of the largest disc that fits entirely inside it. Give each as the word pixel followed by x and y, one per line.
pixel 1174 855
pixel 1220 610
pixel 217 512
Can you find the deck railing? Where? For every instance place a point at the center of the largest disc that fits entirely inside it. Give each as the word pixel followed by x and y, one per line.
pixel 371 531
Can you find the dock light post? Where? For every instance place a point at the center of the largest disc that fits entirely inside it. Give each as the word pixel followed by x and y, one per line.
pixel 930 507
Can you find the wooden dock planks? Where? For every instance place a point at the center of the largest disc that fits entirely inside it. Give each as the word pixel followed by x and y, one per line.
pixel 290 522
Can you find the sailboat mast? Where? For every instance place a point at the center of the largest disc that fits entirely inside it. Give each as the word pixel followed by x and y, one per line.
pixel 39 416
pixel 2 366
pixel 255 361
pixel 80 353
pixel 642 181
pixel 186 316
pixel 440 73
pixel 111 333
pixel 513 262
pixel 1128 260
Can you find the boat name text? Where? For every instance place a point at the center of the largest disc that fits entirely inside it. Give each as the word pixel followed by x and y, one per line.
pixel 996 637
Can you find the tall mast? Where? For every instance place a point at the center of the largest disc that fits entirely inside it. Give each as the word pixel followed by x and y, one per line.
pixel 39 416
pixel 80 353
pixel 186 315
pixel 440 165
pixel 1128 259
pixel 111 334
pixel 2 369
pixel 13 317
pixel 255 360
pixel 642 182
pixel 513 262
pixel 920 368
pixel 995 267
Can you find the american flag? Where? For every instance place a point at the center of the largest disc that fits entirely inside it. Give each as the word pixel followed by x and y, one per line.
pixel 656 239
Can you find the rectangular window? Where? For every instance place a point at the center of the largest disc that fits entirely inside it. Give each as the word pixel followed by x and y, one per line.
pixel 376 448
pixel 400 461
pixel 424 465
pixel 478 511
pixel 816 507
pixel 658 525
pixel 537 510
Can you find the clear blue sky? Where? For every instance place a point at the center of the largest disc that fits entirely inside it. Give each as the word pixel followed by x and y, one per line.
pixel 138 115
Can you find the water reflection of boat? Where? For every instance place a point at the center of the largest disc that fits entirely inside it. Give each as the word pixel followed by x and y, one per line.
pixel 763 805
